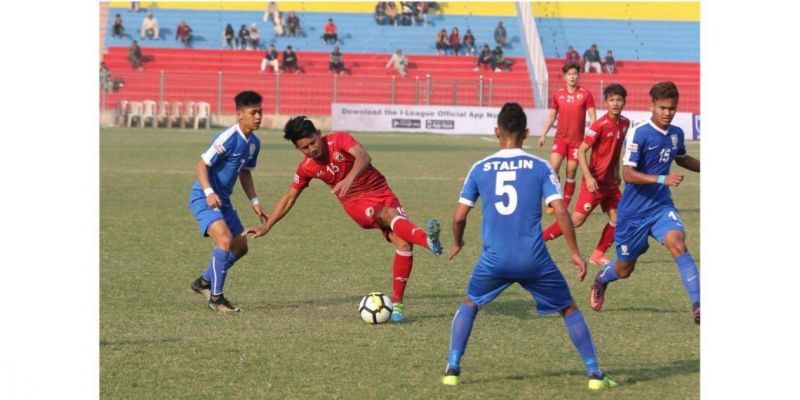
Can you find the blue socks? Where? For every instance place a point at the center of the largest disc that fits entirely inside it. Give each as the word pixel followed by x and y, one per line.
pixel 221 261
pixel 689 277
pixel 582 339
pixel 609 274
pixel 460 331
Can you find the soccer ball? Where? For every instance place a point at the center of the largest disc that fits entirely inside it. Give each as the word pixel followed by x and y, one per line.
pixel 375 308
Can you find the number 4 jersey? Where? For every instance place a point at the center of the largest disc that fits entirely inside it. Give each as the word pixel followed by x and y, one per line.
pixel 650 150
pixel 512 184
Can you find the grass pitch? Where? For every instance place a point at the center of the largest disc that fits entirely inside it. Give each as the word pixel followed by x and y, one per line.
pixel 300 335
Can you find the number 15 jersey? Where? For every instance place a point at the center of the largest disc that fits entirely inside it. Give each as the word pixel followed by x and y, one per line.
pixel 512 184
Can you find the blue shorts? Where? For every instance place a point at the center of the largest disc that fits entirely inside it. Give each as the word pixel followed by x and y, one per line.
pixel 631 234
pixel 205 215
pixel 546 284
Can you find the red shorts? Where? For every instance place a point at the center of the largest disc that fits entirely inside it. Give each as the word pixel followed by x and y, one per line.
pixel 607 196
pixel 364 210
pixel 565 149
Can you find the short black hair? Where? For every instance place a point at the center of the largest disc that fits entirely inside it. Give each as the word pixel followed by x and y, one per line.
pixel 615 88
pixel 570 65
pixel 246 98
pixel 512 119
pixel 297 128
pixel 664 90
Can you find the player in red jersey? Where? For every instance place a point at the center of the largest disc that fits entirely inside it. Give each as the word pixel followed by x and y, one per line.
pixel 601 179
pixel 344 165
pixel 570 105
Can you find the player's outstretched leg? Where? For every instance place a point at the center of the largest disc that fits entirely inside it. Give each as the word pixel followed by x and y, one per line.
pixel 459 335
pixel 582 340
pixel 409 232
pixel 598 257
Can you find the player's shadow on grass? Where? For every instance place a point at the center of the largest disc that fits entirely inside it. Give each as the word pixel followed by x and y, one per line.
pixel 624 376
pixel 139 342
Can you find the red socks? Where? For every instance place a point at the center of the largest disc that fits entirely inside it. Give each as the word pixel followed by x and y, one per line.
pixel 606 238
pixel 409 232
pixel 401 270
pixel 569 190
pixel 551 232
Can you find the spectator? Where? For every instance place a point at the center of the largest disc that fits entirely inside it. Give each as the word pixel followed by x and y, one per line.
pixel 591 57
pixel 391 13
pixel 290 60
pixel 455 41
pixel 255 38
pixel 118 29
pixel 330 36
pixel 610 62
pixel 337 62
pixel 278 25
pixel 380 12
pixel 499 60
pixel 408 12
pixel 469 44
pixel 442 45
pixel 293 25
pixel 184 33
pixel 105 78
pixel 271 59
pixel 271 13
pixel 134 7
pixel 229 36
pixel 500 34
pixel 243 40
pixel 485 58
pixel 399 61
pixel 135 56
pixel 149 27
pixel 422 13
pixel 572 56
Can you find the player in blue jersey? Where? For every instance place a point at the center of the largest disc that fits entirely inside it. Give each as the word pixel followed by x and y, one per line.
pixel 646 208
pixel 231 155
pixel 512 184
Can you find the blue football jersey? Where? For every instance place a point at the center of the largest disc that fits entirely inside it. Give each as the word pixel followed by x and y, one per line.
pixel 512 184
pixel 229 152
pixel 650 150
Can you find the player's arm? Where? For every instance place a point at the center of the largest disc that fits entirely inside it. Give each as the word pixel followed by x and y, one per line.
pixel 565 223
pixel 362 160
pixel 459 226
pixel 282 207
pixel 631 175
pixel 551 119
pixel 201 170
pixel 246 180
pixel 591 182
pixel 592 115
pixel 688 162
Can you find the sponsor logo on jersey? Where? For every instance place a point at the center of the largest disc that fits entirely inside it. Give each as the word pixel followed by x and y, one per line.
pixel 554 180
pixel 591 133
pixel 633 147
pixel 219 148
pixel 296 178
pixel 252 149
pixel 674 140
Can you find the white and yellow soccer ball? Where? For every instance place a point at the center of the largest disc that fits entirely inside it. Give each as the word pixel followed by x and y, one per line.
pixel 375 308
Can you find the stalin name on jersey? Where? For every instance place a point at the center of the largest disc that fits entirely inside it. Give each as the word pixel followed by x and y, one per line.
pixel 334 166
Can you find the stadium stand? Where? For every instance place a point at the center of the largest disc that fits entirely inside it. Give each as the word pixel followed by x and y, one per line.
pixel 208 73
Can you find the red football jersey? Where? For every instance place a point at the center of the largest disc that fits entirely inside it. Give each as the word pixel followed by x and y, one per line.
pixel 605 137
pixel 571 108
pixel 335 165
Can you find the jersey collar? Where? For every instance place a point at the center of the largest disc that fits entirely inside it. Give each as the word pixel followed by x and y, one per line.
pixel 510 153
pixel 239 130
pixel 661 131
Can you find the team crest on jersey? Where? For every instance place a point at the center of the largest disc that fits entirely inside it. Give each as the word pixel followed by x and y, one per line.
pixel 219 148
pixel 338 156
pixel 580 97
pixel 674 140
pixel 587 207
pixel 252 149
pixel 369 212
pixel 624 249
